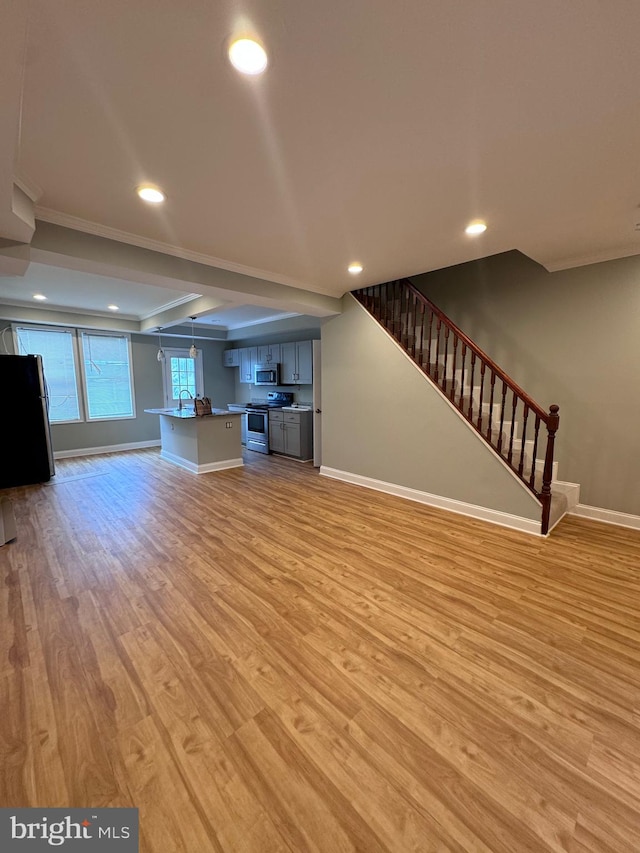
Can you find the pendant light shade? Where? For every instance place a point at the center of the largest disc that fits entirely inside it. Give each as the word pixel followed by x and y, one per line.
pixel 160 353
pixel 193 352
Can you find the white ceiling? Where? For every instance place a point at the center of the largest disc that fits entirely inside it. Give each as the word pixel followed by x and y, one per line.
pixel 70 289
pixel 241 316
pixel 378 131
pixel 84 292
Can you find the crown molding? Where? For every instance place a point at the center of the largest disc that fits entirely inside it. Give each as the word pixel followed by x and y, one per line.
pixel 95 312
pixel 189 297
pixel 77 224
pixel 587 260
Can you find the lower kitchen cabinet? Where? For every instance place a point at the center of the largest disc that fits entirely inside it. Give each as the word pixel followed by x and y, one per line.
pixel 276 432
pixel 290 433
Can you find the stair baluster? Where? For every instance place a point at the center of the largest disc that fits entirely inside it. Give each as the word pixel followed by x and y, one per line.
pixel 513 428
pixel 525 415
pixel 502 405
pixel 452 390
pixel 471 377
pixel 483 367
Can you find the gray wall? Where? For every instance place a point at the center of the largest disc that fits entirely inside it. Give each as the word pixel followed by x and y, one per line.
pixel 147 380
pixel 382 419
pixel 571 338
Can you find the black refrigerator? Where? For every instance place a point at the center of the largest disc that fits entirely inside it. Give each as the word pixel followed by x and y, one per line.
pixel 26 456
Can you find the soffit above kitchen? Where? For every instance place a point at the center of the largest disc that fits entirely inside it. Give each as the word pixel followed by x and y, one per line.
pixel 377 132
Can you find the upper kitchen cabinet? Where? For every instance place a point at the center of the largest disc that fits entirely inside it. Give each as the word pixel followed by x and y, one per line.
pixel 269 354
pixel 248 361
pixel 231 358
pixel 296 363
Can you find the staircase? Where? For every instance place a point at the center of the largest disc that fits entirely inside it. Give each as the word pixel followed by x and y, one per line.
pixel 520 431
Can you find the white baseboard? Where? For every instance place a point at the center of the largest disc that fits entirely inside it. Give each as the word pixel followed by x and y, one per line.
pixel 111 448
pixel 201 469
pixel 607 516
pixel 505 519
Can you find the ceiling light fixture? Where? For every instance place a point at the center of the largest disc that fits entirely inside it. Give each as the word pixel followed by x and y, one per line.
pixel 151 194
pixel 475 228
pixel 355 268
pixel 160 353
pixel 248 57
pixel 113 307
pixel 193 352
pixel 39 296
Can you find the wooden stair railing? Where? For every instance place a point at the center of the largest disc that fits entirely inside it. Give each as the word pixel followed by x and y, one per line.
pixel 506 417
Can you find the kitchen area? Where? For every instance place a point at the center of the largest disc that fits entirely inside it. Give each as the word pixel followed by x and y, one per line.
pixel 278 398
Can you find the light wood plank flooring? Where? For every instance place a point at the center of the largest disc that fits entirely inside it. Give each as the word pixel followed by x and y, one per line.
pixel 263 659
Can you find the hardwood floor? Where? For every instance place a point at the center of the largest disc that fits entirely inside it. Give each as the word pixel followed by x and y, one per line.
pixel 263 659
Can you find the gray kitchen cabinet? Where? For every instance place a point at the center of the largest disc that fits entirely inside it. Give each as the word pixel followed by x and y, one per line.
pixel 292 441
pixel 296 360
pixel 288 363
pixel 269 354
pixel 304 354
pixel 276 432
pixel 248 361
pixel 290 433
pixel 231 358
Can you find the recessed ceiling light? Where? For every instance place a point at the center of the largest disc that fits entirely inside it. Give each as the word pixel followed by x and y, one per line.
pixel 151 194
pixel 247 56
pixel 39 296
pixel 475 228
pixel 355 268
pixel 113 307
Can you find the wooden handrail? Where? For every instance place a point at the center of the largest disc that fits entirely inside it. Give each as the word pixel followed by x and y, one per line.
pixel 444 352
pixel 500 373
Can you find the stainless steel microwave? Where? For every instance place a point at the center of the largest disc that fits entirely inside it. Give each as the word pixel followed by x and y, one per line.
pixel 266 374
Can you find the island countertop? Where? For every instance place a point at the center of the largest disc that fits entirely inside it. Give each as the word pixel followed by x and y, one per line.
pixel 187 412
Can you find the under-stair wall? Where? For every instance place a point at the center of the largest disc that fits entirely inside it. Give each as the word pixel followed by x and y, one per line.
pixel 569 337
pixel 386 427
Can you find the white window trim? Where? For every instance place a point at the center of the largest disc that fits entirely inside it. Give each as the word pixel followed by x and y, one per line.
pixel 80 333
pixel 36 327
pixel 78 357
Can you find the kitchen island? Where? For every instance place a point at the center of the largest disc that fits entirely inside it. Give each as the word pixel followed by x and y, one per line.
pixel 200 444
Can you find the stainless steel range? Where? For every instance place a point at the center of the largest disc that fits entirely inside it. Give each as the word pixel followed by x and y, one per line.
pixel 258 419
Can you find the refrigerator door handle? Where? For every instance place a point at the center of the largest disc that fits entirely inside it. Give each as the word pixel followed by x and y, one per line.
pixel 47 434
pixel 45 413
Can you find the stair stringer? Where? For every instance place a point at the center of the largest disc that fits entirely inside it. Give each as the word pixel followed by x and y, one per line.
pixel 388 426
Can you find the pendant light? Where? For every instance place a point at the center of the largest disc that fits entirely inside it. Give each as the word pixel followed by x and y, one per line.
pixel 160 354
pixel 193 352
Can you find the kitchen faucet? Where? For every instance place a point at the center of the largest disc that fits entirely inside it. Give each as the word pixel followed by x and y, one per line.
pixel 180 393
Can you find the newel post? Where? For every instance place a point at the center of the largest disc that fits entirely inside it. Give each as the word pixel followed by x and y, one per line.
pixel 553 422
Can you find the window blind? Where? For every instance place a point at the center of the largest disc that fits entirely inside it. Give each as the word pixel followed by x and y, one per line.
pixel 56 346
pixel 107 375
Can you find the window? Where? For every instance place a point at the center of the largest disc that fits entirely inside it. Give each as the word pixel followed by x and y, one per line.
pixel 58 350
pixel 183 376
pixel 181 373
pixel 107 375
pixel 102 389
